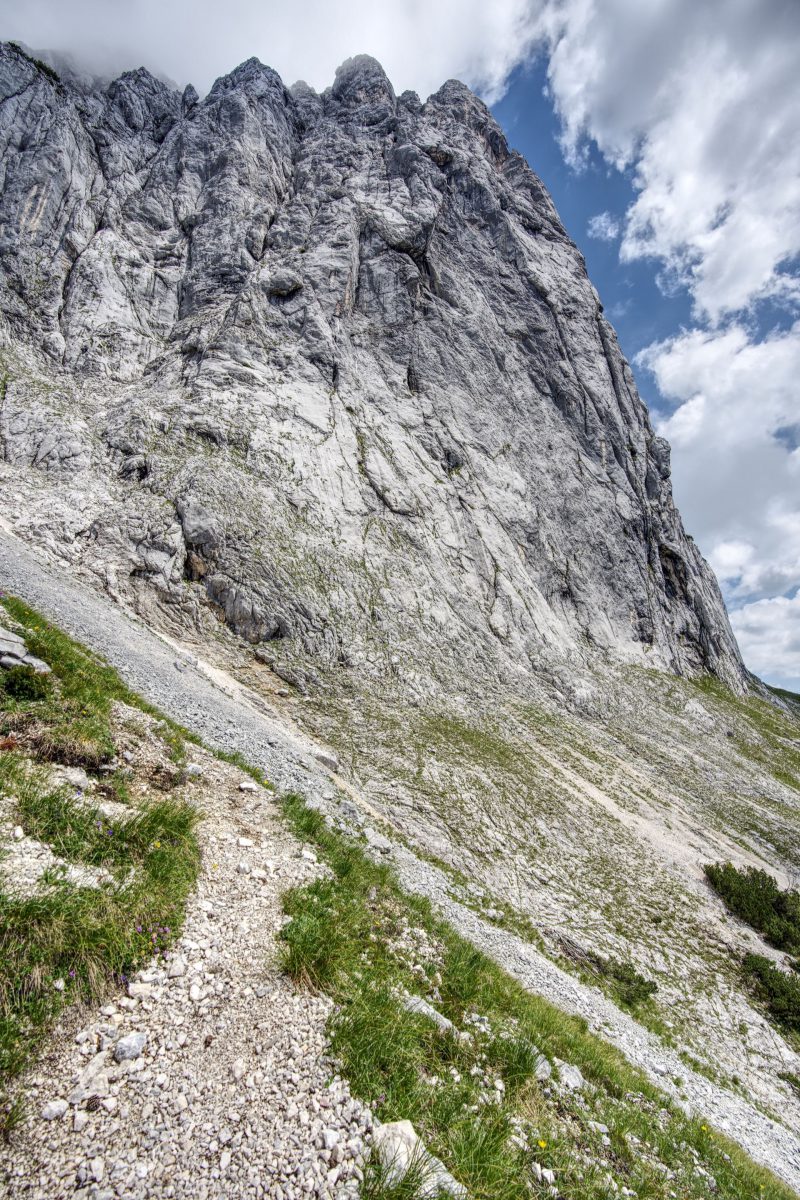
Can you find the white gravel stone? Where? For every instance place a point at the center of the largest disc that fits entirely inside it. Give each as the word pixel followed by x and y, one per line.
pixel 569 1077
pixel 130 1046
pixel 416 1004
pixel 398 1147
pixel 54 1110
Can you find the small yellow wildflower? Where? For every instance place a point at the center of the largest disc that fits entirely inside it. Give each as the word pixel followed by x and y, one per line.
pixel 156 845
pixel 704 1128
pixel 542 1144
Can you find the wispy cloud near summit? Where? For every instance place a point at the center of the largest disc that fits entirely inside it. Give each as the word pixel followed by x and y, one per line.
pixel 195 41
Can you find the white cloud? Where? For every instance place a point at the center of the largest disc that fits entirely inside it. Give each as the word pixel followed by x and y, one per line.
pixel 768 632
pixel 737 483
pixel 420 44
pixel 701 101
pixel 603 226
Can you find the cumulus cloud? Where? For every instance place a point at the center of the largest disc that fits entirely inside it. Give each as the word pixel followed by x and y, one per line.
pixel 193 41
pixel 701 102
pixel 735 473
pixel 603 226
pixel 768 632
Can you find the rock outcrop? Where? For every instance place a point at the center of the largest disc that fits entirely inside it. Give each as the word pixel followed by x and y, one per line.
pixel 329 366
pixel 14 653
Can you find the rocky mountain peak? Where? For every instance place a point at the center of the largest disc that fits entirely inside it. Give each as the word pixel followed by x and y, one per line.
pixel 252 77
pixel 350 333
pixel 361 81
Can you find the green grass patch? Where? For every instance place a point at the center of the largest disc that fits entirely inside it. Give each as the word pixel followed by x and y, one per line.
pixel 66 717
pixel 753 895
pixel 357 936
pixel 87 938
pixel 80 832
pixel 767 732
pixel 70 722
pixel 238 760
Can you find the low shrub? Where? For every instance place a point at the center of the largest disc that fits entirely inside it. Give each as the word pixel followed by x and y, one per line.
pixel 754 896
pixel 779 990
pixel 792 1079
pixel 23 683
pixel 630 987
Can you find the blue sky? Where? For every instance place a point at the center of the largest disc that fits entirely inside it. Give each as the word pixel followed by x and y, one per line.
pixel 637 300
pixel 639 310
pixel 685 120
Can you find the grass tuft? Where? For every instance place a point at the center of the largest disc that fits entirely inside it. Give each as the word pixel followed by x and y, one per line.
pixel 23 683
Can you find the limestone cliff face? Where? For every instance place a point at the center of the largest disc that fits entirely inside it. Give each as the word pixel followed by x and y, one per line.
pixel 331 365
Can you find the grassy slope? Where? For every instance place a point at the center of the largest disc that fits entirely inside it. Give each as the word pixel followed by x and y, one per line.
pixel 506 792
pixel 86 937
pixel 358 937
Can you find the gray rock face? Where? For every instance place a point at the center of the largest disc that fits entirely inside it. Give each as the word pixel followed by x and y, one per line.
pixel 330 366
pixel 14 653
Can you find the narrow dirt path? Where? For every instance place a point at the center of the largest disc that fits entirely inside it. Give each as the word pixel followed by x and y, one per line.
pixel 207 1077
pixel 235 721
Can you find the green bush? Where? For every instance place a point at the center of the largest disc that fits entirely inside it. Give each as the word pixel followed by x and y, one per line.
pixel 790 1078
pixel 37 62
pixel 779 991
pixel 630 987
pixel 754 896
pixel 23 683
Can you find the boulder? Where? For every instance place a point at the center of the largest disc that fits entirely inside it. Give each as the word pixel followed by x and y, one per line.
pixel 400 1151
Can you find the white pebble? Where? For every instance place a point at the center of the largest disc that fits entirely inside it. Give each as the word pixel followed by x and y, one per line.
pixel 54 1110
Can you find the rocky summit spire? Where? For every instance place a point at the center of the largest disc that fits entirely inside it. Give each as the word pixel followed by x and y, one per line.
pixel 330 367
